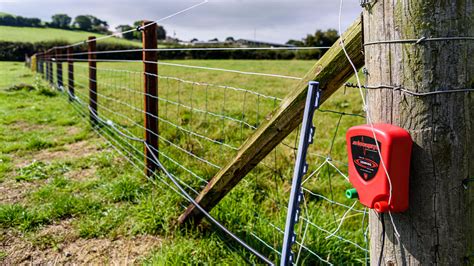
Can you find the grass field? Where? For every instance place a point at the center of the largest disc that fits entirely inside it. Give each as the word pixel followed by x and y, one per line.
pixel 33 35
pixel 60 177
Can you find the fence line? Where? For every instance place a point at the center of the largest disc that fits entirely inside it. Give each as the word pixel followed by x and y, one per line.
pixel 201 126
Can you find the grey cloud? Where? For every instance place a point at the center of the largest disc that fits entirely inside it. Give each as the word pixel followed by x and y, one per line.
pixel 273 20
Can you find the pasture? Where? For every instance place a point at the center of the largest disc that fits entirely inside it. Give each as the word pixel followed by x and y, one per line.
pixel 34 35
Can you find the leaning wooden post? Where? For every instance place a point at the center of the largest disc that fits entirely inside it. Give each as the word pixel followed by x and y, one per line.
pixel 438 227
pixel 150 58
pixel 92 80
pixel 70 69
pixel 59 69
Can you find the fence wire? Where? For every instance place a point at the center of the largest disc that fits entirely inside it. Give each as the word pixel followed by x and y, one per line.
pixel 204 117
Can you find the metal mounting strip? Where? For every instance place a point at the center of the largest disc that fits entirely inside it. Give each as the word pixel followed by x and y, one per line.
pixel 301 167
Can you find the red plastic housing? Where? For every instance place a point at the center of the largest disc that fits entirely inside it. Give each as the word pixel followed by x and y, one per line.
pixel 366 171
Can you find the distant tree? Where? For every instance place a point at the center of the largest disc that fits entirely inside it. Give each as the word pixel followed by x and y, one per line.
pixel 18 21
pixel 322 38
pixel 34 22
pixel 295 43
pixel 214 40
pixel 83 23
pixel 194 40
pixel 160 31
pixel 98 25
pixel 137 34
pixel 91 23
pixel 8 20
pixel 230 39
pixel 61 21
pixel 128 35
pixel 21 21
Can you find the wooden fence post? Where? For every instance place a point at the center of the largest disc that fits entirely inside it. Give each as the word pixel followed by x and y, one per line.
pixel 45 66
pixel 437 229
pixel 49 68
pixel 150 58
pixel 34 63
pixel 59 70
pixel 41 62
pixel 45 57
pixel 70 69
pixel 92 80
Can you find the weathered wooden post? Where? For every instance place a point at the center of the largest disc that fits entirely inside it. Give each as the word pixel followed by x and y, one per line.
pixel 59 69
pixel 34 63
pixel 45 60
pixel 70 67
pixel 41 64
pixel 438 227
pixel 150 58
pixel 92 80
pixel 50 68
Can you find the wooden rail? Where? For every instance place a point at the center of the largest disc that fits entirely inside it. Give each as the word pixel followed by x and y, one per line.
pixel 331 71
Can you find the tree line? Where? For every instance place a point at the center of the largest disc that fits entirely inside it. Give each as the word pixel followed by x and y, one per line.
pixel 59 21
pixel 82 22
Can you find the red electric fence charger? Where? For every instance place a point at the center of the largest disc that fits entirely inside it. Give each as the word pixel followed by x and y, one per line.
pixel 367 173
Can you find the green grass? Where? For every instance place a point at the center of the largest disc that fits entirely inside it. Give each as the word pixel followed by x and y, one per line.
pixel 118 201
pixel 33 35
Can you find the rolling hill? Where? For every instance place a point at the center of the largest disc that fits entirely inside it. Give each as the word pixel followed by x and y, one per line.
pixel 34 35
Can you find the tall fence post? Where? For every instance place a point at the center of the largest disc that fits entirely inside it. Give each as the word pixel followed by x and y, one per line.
pixel 48 66
pixel 301 168
pixel 419 46
pixel 150 58
pixel 92 47
pixel 41 64
pixel 34 63
pixel 70 70
pixel 59 69
pixel 50 63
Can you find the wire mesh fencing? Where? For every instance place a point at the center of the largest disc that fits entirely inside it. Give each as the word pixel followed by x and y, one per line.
pixel 206 112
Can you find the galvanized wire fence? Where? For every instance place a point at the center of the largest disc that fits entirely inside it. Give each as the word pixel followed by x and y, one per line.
pixel 205 112
pixel 202 125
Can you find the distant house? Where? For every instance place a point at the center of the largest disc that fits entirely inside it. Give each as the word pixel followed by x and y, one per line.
pixel 254 43
pixel 208 43
pixel 172 40
pixel 235 43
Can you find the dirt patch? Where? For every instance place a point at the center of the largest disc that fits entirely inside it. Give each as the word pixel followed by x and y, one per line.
pixel 12 191
pixel 81 174
pixel 70 151
pixel 59 244
pixel 26 127
pixel 73 130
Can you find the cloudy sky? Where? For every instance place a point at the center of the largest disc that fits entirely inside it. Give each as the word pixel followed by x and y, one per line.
pixel 269 20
